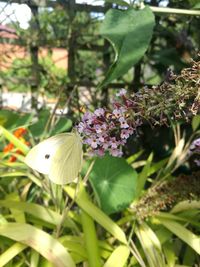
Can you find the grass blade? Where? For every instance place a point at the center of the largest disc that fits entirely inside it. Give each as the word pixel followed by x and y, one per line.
pixel 39 240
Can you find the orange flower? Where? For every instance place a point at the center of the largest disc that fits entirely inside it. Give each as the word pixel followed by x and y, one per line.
pixel 17 133
pixel 20 132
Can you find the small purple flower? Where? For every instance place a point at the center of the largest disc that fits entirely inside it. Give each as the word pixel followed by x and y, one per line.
pixel 105 145
pixel 107 130
pixel 197 142
pixel 93 142
pixel 81 127
pixel 130 130
pixel 100 128
pixel 195 146
pixel 101 138
pixel 197 161
pixel 117 113
pixel 101 152
pixel 122 92
pixel 116 152
pixel 125 134
pixel 88 117
pixel 123 123
pixel 99 112
pixel 113 143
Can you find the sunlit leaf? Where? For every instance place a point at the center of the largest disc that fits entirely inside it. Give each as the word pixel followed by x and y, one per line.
pixel 118 258
pixel 11 252
pixel 186 205
pixel 39 240
pixel 38 211
pixel 150 245
pixel 97 214
pixel 183 233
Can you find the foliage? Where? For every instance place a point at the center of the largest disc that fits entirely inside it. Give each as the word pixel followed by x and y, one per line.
pixel 120 27
pixel 18 77
pixel 141 210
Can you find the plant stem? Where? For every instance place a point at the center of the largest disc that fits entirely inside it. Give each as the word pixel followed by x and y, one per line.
pixel 91 241
pixel 167 10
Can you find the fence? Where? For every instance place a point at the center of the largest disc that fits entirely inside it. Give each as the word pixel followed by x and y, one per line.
pixel 71 8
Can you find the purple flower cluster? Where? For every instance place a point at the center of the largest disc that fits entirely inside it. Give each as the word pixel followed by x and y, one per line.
pixel 195 149
pixel 107 130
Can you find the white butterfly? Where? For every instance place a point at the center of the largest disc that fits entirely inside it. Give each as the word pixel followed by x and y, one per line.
pixel 60 157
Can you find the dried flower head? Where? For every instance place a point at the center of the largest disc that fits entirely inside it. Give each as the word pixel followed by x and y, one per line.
pixel 178 98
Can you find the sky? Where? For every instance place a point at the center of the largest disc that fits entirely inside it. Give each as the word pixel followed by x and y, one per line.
pixel 22 13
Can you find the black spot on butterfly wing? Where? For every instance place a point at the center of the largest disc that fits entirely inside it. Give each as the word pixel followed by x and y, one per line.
pixel 47 156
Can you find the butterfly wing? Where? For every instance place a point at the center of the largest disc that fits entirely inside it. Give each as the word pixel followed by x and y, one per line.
pixel 40 157
pixel 67 160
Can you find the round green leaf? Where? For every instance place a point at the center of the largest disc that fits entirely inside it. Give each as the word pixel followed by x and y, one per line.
pixel 114 183
pixel 129 31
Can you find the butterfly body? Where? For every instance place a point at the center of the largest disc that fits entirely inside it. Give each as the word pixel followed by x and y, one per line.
pixel 60 157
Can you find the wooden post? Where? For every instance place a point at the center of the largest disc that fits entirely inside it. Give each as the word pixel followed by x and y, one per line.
pixel 72 44
pixel 34 50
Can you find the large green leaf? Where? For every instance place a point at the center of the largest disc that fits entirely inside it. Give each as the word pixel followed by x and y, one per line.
pixel 8 118
pixel 63 125
pixel 39 240
pixel 114 183
pixel 129 31
pixel 37 129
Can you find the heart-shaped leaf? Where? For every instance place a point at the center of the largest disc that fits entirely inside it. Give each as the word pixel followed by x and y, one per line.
pixel 114 183
pixel 129 31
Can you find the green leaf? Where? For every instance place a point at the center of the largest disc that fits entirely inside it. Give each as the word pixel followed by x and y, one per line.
pixel 7 118
pixel 114 183
pixel 63 125
pixel 37 129
pixel 186 205
pixel 91 241
pixel 142 177
pixel 129 32
pixel 39 240
pixel 118 257
pixel 23 120
pixel 196 6
pixel 98 215
pixel 134 157
pixel 11 252
pixel 18 215
pixel 151 245
pixel 170 254
pixel 184 234
pixel 38 211
pixel 196 122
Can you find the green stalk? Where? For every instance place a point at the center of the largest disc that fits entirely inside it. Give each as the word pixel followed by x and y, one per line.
pixel 91 242
pixel 178 11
